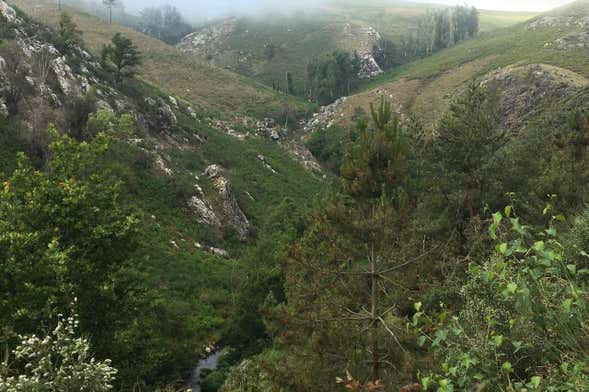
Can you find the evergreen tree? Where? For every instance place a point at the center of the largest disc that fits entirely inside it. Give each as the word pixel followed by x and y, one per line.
pixel 68 34
pixel 467 140
pixel 335 273
pixel 121 57
pixel 289 84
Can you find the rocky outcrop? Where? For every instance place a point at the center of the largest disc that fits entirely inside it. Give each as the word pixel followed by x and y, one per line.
pixel 69 83
pixel 243 126
pixel 233 216
pixel 205 213
pixel 369 68
pixel 159 115
pixel 208 41
pixel 325 117
pixel 573 41
pixel 558 21
pixel 550 21
pixel 8 13
pixel 361 39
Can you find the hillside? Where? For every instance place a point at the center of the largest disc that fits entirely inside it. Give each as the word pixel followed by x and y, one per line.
pixel 201 194
pixel 242 44
pixel 165 66
pixel 555 40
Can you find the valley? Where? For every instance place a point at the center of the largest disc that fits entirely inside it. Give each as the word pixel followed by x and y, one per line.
pixel 347 195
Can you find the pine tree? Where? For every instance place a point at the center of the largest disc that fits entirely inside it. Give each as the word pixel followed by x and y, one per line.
pixel 353 245
pixel 122 57
pixel 467 139
pixel 68 34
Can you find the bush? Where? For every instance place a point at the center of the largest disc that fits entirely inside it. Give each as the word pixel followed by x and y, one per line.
pixel 61 361
pixel 523 323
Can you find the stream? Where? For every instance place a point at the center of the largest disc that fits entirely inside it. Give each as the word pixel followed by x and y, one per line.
pixel 209 362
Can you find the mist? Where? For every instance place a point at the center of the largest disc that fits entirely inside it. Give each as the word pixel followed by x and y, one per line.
pixel 210 9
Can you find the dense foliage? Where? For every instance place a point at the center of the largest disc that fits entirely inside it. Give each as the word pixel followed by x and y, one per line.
pixel 434 31
pixel 332 76
pixel 165 23
pixel 121 57
pixel 439 29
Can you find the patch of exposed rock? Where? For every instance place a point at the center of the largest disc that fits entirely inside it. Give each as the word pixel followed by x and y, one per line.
pixel 8 13
pixel 558 21
pixel 326 116
pixel 162 117
pixel 573 41
pixel 369 68
pixel 208 41
pixel 233 216
pixel 204 211
pixel 242 127
pixel 361 39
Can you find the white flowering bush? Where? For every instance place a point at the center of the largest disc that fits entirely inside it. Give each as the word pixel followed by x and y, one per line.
pixel 60 362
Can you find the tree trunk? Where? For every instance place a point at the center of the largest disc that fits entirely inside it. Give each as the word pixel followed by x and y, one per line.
pixel 374 316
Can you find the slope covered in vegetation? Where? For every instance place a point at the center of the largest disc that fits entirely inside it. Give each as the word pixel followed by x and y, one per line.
pixel 142 201
pixel 165 66
pixel 266 47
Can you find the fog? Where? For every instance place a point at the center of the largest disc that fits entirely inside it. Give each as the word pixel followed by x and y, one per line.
pixel 206 9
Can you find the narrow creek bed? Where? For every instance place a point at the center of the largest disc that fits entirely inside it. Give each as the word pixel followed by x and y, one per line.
pixel 210 363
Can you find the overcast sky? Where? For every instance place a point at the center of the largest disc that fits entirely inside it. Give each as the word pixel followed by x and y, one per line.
pixel 210 8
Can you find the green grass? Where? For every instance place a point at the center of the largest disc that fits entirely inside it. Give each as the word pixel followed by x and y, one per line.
pixel 426 85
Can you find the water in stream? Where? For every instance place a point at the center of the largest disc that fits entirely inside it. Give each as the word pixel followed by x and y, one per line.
pixel 209 362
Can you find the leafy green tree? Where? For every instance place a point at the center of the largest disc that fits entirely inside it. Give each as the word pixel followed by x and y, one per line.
pixel 332 76
pixel 68 34
pixel 121 57
pixel 386 54
pixel 110 4
pixel 289 84
pixel 522 325
pixel 63 234
pixel 577 141
pixel 165 23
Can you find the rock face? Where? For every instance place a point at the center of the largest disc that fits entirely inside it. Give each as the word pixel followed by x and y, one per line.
pixel 573 41
pixel 69 83
pixel 205 213
pixel 369 67
pixel 325 117
pixel 361 39
pixel 232 213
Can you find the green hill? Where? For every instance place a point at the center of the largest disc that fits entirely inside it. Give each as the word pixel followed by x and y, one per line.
pixel 201 193
pixel 165 66
pixel 242 44
pixel 426 86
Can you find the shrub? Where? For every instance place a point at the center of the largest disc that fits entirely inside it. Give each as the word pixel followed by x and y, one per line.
pixel 61 361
